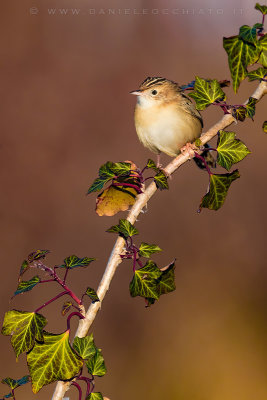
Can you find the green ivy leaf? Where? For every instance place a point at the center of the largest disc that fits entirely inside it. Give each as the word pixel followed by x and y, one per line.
pixel 166 282
pixel 151 164
pixel 250 107
pixel 259 74
pixel 23 327
pixel 161 181
pixel 248 34
pixel 218 188
pixel 240 56
pixel 121 168
pixel 144 282
pixel 92 294
pixel 25 286
pixel 206 92
pixel 96 364
pixel 263 48
pixel 95 396
pixel 14 383
pixel 230 150
pixel 105 171
pixel 239 113
pixel 53 360
pixel 264 126
pixel 262 9
pixel 124 228
pixel 74 262
pixel 36 255
pixel 23 268
pixel 145 250
pixel 85 347
pixel 66 307
pixel 97 185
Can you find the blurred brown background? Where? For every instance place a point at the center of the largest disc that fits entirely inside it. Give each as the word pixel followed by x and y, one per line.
pixel 65 110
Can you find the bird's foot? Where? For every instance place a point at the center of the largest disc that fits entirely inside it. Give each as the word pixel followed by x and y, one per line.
pixel 189 150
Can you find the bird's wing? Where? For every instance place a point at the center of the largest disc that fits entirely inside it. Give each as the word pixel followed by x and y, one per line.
pixel 189 107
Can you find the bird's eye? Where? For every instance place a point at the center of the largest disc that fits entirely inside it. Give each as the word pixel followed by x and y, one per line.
pixel 154 92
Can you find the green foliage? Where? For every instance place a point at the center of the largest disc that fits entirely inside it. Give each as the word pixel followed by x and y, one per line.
pixel 53 360
pixel 144 282
pixel 121 168
pixel 74 262
pixel 109 171
pixel 258 73
pixel 25 286
pixel 250 107
pixel 263 48
pixel 85 347
pixel 262 9
pixel 66 307
pixel 165 283
pixel 248 34
pixel 37 255
pixel 161 181
pixel 92 294
pixel 206 92
pixel 124 229
pixel 151 164
pixel 95 396
pixel 218 188
pixel 145 250
pixel 23 268
pixel 240 55
pixel 239 113
pixel 14 383
pixel 24 328
pixel 96 364
pixel 230 150
pixel 264 126
pixel 150 282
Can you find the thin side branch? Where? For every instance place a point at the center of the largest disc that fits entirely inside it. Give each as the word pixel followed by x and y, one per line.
pixel 142 200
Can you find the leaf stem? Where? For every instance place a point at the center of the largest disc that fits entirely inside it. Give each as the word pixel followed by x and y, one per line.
pixel 53 274
pixel 130 185
pixel 204 162
pixel 88 383
pixel 79 389
pixel 66 274
pixel 71 315
pixel 51 301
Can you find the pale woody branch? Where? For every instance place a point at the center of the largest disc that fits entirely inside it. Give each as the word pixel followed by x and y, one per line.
pixel 142 199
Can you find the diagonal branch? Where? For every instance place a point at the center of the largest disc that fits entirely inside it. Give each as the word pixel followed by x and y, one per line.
pixel 142 200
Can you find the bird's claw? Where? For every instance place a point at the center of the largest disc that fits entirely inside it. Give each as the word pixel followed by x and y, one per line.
pixel 189 150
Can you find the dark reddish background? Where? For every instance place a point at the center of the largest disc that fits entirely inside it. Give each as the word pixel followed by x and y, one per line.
pixel 65 110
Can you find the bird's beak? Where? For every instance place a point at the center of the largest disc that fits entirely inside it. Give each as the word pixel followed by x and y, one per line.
pixel 136 92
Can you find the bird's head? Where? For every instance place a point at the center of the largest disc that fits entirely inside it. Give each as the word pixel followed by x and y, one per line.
pixel 156 91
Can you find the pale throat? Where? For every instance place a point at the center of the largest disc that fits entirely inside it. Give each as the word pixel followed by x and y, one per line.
pixel 145 102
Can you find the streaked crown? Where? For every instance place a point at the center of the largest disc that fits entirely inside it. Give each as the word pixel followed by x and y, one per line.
pixel 149 82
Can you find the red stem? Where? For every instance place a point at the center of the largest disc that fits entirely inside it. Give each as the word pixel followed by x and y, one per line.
pixel 204 162
pixel 50 301
pixel 88 382
pixel 127 185
pixel 79 389
pixel 56 278
pixel 71 315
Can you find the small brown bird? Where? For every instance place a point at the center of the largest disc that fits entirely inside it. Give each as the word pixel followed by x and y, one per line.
pixel 165 118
